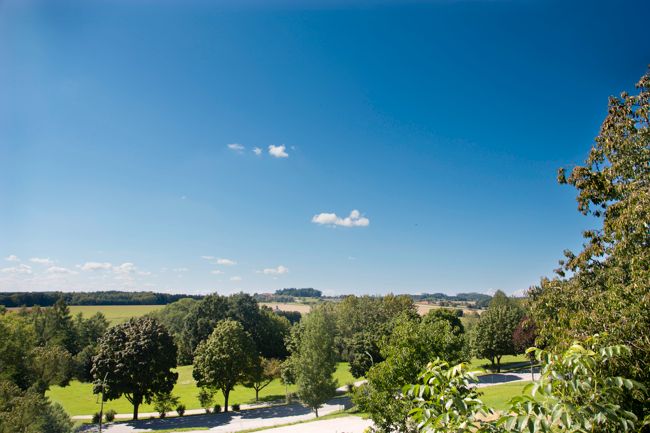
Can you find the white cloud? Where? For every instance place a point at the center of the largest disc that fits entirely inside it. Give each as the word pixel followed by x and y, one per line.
pixel 180 270
pixel 18 269
pixel 236 147
pixel 12 258
pixel 124 268
pixel 257 151
pixel 41 261
pixel 280 270
pixel 226 262
pixel 331 219
pixel 59 270
pixel 235 278
pixel 96 266
pixel 278 151
pixel 216 272
pixel 208 257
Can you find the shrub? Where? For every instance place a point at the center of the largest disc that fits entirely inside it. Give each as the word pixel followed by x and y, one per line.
pixel 180 409
pixel 205 397
pixel 109 416
pixel 164 403
pixel 217 408
pixel 235 407
pixel 96 418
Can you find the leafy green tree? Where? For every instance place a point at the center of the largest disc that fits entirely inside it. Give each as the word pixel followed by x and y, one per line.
pixel 411 346
pixel 574 394
pixel 136 358
pixel 225 358
pixel 164 402
pixel 604 288
pixel 314 360
pixel 29 412
pixel 262 373
pixel 492 337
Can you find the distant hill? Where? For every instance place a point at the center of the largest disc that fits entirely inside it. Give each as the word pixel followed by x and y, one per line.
pixel 300 293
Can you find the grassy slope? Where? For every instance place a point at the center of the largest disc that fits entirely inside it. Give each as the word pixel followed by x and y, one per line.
pixel 114 313
pixel 78 399
pixel 497 396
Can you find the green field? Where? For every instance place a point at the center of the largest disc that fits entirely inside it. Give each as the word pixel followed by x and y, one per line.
pixel 78 399
pixel 114 313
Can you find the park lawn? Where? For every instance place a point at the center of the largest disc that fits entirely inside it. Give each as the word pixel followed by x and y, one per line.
pixel 78 399
pixel 115 314
pixel 497 396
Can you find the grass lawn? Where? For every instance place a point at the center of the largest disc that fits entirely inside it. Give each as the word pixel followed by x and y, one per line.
pixel 114 313
pixel 497 396
pixel 78 399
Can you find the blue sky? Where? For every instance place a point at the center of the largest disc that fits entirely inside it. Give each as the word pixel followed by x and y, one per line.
pixel 431 129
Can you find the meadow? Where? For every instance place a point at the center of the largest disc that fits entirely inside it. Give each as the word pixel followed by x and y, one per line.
pixel 78 399
pixel 115 314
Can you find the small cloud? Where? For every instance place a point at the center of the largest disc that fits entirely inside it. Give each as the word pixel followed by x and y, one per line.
pixel 144 273
pixel 96 266
pixel 216 272
pixel 41 261
pixel 257 151
pixel 278 151
pixel 235 278
pixel 180 270
pixel 208 257
pixel 226 262
pixel 236 147
pixel 59 270
pixel 12 258
pixel 18 269
pixel 280 270
pixel 331 219
pixel 125 268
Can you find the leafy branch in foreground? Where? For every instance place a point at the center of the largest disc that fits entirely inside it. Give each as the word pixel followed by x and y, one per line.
pixel 574 394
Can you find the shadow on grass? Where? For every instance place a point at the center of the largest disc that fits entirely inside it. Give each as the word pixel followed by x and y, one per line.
pixel 509 367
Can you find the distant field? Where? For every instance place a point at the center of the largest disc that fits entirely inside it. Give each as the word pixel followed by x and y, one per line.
pixel 301 308
pixel 114 313
pixel 78 399
pixel 425 308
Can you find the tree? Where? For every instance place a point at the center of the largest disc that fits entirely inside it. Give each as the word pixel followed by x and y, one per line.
pixel 262 374
pixel 136 358
pixel 413 343
pixel 225 358
pixel 315 359
pixel 492 336
pixel 604 288
pixel 29 412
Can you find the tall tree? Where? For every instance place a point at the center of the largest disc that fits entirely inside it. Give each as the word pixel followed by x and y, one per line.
pixel 315 359
pixel 262 373
pixel 136 358
pixel 604 288
pixel 492 337
pixel 225 358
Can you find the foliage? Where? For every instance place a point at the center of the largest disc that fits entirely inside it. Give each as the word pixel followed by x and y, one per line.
pixel 164 402
pixel 410 347
pixel 30 412
pixel 262 374
pixel 573 394
pixel 314 359
pixel 217 408
pixel 300 293
pixel 96 418
pixel 236 407
pixel 492 337
pixel 206 397
pixel 180 409
pixel 109 416
pixel 604 288
pixel 136 358
pixel 108 297
pixel 225 358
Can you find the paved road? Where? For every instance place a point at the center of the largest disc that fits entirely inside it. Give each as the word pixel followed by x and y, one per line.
pixel 231 421
pixel 499 378
pixel 348 424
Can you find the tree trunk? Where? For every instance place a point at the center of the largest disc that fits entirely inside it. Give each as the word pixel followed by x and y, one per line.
pixel 492 362
pixel 498 364
pixel 257 394
pixel 136 404
pixel 226 393
pixel 316 410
